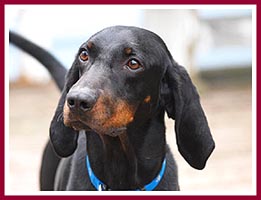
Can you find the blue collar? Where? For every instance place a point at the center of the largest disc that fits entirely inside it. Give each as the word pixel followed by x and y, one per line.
pixel 100 186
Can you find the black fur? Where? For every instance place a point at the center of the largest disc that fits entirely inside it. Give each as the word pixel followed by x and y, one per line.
pixel 133 158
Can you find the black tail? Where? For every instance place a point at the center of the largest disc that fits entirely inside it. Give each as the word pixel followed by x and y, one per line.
pixel 56 69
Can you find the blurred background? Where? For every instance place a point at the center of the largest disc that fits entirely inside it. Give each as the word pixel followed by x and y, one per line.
pixel 213 43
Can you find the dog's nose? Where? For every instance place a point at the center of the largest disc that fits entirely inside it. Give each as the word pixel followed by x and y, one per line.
pixel 81 100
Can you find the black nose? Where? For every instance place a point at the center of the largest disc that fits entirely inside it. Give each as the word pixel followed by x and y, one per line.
pixel 81 100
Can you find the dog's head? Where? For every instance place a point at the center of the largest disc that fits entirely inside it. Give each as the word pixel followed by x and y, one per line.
pixel 120 77
pixel 115 73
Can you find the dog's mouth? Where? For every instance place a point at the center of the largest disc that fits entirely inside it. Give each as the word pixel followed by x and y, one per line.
pixel 107 117
pixel 113 132
pixel 78 125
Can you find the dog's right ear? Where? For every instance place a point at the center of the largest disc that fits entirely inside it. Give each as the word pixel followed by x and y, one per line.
pixel 63 138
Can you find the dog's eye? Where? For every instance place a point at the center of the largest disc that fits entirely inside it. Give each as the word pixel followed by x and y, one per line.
pixel 84 55
pixel 134 65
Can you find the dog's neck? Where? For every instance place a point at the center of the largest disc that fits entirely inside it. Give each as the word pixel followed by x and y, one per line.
pixel 130 160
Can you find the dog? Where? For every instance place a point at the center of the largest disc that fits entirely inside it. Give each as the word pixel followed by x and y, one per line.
pixel 108 130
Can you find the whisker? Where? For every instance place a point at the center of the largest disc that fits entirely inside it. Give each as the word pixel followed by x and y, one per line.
pixel 60 117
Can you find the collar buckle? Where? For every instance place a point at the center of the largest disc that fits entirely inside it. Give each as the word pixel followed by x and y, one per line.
pixel 103 187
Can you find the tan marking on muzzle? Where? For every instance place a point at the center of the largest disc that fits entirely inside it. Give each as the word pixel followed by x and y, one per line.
pixel 71 120
pixel 110 114
pixel 66 113
pixel 123 114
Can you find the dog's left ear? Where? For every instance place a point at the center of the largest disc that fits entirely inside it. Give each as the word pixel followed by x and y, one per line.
pixel 63 138
pixel 181 101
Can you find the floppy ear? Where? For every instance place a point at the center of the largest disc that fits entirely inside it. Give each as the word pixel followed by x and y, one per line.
pixel 181 101
pixel 63 138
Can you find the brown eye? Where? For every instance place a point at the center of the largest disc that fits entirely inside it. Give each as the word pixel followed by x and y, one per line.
pixel 84 55
pixel 134 64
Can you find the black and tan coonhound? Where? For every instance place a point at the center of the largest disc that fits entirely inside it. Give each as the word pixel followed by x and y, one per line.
pixel 109 123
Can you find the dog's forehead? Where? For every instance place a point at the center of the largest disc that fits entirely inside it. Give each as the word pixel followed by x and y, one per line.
pixel 114 36
pixel 121 35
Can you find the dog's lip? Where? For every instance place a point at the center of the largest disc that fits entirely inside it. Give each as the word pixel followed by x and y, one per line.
pixel 113 132
pixel 76 124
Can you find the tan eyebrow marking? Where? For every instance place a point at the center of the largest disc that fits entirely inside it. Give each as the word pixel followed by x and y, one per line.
pixel 90 45
pixel 128 50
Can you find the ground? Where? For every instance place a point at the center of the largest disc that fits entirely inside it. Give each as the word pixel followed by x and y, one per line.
pixel 228 109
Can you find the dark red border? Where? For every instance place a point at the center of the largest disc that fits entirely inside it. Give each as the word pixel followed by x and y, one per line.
pixel 129 2
pixel 2 100
pixel 2 105
pixel 258 82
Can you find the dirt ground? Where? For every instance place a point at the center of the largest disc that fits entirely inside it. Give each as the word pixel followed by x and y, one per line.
pixel 228 110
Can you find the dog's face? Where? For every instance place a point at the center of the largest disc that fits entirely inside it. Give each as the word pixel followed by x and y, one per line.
pixel 117 74
pixel 121 77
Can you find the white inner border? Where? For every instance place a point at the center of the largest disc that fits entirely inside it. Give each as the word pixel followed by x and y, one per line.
pixel 165 193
